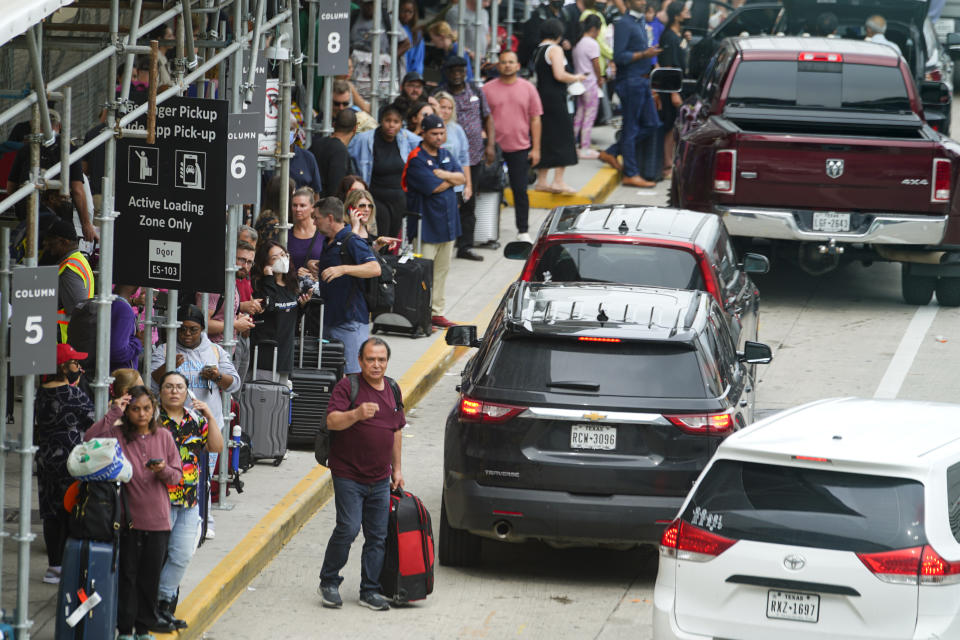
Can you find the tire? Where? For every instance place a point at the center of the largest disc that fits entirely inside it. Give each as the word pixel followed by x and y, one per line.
pixel 917 290
pixel 948 292
pixel 458 548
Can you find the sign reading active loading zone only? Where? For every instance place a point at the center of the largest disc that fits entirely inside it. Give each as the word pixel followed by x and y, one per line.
pixel 171 197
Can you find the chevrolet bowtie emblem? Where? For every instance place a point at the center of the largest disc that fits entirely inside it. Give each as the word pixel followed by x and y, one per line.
pixel 593 417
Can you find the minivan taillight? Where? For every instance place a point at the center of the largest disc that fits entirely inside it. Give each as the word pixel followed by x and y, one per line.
pixel 714 424
pixel 688 542
pixel 940 192
pixel 724 171
pixel 480 411
pixel 915 565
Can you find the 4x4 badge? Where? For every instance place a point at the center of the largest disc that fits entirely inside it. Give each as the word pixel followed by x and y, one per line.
pixel 594 416
pixel 834 167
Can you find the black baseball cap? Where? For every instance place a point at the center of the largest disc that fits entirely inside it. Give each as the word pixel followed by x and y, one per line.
pixel 432 121
pixel 61 228
pixel 454 61
pixel 413 76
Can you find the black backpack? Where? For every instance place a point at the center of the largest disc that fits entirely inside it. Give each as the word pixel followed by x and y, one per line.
pixel 379 293
pixel 321 444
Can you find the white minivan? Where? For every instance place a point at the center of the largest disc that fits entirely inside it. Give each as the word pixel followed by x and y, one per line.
pixel 837 519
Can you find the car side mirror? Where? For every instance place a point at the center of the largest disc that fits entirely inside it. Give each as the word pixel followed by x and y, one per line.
pixel 755 353
pixel 667 80
pixel 755 263
pixel 688 88
pixel 953 45
pixel 517 250
pixel 462 335
pixel 934 92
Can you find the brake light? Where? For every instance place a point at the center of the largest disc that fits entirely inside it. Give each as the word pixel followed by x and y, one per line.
pixel 687 542
pixel 933 76
pixel 707 424
pixel 724 170
pixel 592 339
pixel 915 565
pixel 941 180
pixel 810 459
pixel 478 411
pixel 668 539
pixel 816 56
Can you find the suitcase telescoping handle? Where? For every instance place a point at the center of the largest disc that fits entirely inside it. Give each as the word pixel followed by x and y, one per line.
pixel 256 358
pixel 313 301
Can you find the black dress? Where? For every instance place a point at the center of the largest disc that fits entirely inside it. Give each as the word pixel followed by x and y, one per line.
pixel 558 148
pixel 385 187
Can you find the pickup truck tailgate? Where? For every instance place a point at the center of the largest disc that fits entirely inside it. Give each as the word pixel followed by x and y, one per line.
pixel 855 174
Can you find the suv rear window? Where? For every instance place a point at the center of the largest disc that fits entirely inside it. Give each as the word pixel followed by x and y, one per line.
pixel 828 85
pixel 809 507
pixel 622 263
pixel 568 366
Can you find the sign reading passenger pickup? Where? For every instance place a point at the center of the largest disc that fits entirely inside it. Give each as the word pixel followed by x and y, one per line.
pixel 33 326
pixel 171 197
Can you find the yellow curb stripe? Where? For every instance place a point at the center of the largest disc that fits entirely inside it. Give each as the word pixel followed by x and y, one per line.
pixel 600 186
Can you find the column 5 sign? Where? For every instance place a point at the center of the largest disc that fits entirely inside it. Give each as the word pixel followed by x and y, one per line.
pixel 33 337
pixel 333 32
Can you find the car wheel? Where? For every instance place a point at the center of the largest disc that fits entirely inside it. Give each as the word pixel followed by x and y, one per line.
pixel 916 290
pixel 948 292
pixel 458 548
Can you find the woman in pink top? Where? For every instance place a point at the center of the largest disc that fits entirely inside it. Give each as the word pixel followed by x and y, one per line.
pixel 143 545
pixel 586 61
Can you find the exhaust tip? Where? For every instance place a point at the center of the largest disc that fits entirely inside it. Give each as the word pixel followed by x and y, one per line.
pixel 502 528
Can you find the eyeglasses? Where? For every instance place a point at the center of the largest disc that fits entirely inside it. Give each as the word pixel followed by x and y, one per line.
pixel 280 255
pixel 244 261
pixel 174 387
pixel 191 331
pixel 341 104
pixel 364 205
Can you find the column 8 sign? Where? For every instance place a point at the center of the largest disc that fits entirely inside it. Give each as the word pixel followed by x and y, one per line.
pixel 333 38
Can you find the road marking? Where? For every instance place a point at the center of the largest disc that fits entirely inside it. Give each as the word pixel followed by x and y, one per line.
pixel 902 360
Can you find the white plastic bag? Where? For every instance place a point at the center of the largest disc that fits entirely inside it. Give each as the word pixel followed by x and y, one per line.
pixel 99 459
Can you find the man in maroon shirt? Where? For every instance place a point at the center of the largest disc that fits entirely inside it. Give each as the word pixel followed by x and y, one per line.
pixel 365 447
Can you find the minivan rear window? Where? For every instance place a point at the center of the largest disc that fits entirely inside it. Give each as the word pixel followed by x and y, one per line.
pixel 619 262
pixel 809 507
pixel 569 366
pixel 828 85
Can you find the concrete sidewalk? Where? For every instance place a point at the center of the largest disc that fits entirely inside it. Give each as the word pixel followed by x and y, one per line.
pixel 278 501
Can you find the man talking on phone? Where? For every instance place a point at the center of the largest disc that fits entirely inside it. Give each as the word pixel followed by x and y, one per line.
pixel 365 419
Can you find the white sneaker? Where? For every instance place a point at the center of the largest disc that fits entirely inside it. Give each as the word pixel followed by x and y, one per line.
pixel 52 576
pixel 524 237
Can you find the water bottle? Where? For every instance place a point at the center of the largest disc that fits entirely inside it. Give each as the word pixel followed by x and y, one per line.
pixel 235 454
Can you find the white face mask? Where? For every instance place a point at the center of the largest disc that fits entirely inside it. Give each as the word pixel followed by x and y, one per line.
pixel 281 265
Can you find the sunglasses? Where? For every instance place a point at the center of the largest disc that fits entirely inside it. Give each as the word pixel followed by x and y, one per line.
pixel 363 205
pixel 341 104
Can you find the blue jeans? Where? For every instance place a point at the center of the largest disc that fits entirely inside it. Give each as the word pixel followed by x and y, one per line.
pixel 352 334
pixel 366 505
pixel 184 535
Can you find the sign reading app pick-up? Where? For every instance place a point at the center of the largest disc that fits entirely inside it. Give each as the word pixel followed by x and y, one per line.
pixel 171 197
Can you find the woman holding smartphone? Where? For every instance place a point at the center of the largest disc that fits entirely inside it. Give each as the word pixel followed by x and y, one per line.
pixel 362 210
pixel 143 544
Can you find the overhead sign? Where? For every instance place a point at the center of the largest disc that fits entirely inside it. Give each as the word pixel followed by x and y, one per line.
pixel 242 135
pixel 333 38
pixel 33 327
pixel 171 197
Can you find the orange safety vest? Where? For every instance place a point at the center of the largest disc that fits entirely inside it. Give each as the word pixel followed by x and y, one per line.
pixel 76 262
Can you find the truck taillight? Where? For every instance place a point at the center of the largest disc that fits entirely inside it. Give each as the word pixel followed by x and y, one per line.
pixel 479 411
pixel 724 171
pixel 940 191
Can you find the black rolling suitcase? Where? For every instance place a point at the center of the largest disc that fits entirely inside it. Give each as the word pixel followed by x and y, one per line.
pixel 307 347
pixel 265 412
pixel 407 572
pixel 411 313
pixel 312 387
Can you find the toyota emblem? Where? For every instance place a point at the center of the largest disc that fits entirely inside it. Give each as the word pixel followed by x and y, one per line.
pixel 794 562
pixel 834 167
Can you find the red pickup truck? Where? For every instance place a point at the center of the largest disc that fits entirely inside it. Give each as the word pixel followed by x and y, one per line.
pixel 819 147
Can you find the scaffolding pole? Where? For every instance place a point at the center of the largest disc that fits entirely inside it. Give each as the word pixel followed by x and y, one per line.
pixel 311 65
pixel 494 47
pixel 509 22
pixel 4 380
pixel 462 27
pixel 478 52
pixel 394 88
pixel 375 52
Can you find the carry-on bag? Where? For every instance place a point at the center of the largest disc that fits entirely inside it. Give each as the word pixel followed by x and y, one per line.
pixel 411 313
pixel 486 233
pixel 308 349
pixel 407 573
pixel 87 595
pixel 265 412
pixel 312 387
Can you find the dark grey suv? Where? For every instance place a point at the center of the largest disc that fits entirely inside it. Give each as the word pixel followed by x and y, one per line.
pixel 587 413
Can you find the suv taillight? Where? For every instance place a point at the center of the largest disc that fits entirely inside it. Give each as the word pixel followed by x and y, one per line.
pixel 940 191
pixel 688 542
pixel 724 171
pixel 916 565
pixel 714 424
pixel 479 411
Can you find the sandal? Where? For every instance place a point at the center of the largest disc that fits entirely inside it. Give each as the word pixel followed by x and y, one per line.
pixel 544 188
pixel 564 189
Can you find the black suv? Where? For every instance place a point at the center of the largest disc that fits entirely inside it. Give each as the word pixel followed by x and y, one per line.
pixel 587 414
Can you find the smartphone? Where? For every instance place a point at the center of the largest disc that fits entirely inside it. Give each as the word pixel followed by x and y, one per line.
pixel 153 461
pixel 192 395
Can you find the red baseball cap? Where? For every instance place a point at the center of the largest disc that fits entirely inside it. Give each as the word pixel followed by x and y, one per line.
pixel 66 353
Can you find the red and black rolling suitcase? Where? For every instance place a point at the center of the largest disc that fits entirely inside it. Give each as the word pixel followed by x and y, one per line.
pixel 407 573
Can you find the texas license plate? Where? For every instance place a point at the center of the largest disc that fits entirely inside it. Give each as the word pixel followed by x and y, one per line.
pixel 591 436
pixel 831 222
pixel 793 605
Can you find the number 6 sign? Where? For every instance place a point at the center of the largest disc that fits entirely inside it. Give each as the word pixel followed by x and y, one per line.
pixel 33 327
pixel 333 31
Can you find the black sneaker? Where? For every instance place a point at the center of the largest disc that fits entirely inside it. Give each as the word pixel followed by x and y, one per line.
pixel 375 601
pixel 330 596
pixel 469 254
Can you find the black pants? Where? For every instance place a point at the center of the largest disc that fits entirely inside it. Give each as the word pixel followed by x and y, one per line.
pixel 468 216
pixel 55 537
pixel 391 207
pixel 141 558
pixel 518 171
